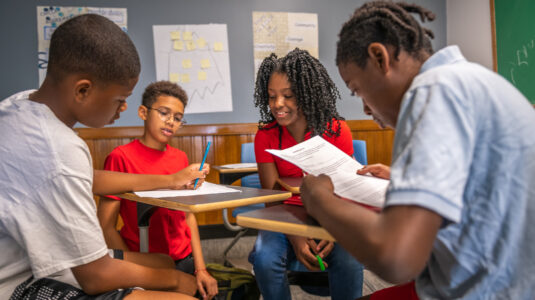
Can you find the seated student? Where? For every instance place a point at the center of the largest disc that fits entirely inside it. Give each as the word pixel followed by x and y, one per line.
pixel 456 222
pixel 171 232
pixel 48 224
pixel 297 100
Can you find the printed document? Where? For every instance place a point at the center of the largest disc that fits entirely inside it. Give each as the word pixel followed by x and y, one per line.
pixel 317 156
pixel 204 189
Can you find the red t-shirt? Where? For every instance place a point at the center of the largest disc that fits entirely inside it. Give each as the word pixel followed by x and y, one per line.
pixel 168 231
pixel 269 139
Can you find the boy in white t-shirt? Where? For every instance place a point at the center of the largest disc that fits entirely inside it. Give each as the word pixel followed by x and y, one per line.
pixel 48 222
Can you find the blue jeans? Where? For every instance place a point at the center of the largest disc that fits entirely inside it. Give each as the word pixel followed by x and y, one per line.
pixel 273 255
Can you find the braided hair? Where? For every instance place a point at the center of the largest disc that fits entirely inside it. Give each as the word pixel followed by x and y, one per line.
pixel 314 90
pixel 387 23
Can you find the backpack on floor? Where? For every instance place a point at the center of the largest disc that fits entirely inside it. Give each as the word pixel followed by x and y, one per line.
pixel 234 283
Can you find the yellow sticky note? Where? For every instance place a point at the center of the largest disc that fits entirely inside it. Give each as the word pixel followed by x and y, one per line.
pixel 201 75
pixel 186 63
pixel 174 77
pixel 190 45
pixel 187 36
pixel 178 45
pixel 218 46
pixel 185 78
pixel 205 63
pixel 175 35
pixel 201 43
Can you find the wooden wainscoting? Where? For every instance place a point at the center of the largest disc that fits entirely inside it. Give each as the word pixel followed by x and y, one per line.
pixel 226 140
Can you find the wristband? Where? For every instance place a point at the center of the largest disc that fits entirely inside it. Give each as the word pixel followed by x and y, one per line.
pixel 199 270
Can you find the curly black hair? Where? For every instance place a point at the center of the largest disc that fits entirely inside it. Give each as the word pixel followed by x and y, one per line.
pixel 314 90
pixel 388 23
pixel 93 45
pixel 167 88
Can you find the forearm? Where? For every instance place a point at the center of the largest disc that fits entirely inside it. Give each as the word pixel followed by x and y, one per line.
pixel 195 242
pixel 381 242
pixel 110 183
pixel 114 240
pixel 106 274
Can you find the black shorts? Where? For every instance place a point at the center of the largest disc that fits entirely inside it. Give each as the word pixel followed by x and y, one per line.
pixel 46 288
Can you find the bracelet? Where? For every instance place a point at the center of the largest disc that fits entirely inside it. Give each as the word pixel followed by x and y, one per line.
pixel 199 270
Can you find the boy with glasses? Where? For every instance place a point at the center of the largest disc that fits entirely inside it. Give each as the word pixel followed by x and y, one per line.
pixel 170 231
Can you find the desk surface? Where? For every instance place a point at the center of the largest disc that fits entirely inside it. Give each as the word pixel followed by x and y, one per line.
pixel 202 203
pixel 288 219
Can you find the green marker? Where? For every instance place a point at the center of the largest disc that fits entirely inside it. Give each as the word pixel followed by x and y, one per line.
pixel 320 262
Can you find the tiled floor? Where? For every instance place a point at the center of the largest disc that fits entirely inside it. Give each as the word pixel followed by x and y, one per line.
pixel 213 252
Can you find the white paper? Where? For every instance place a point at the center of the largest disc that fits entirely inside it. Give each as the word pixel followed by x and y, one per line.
pixel 205 189
pixel 317 156
pixel 240 166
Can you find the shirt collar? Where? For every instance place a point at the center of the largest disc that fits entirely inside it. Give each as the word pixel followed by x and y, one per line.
pixel 448 55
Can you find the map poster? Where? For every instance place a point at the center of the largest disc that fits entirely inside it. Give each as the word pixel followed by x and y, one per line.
pixel 281 32
pixel 50 17
pixel 196 57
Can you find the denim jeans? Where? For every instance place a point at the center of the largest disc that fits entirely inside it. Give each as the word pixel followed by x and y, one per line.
pixel 273 255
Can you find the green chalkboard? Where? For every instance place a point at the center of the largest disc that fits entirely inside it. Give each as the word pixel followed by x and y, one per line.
pixel 514 43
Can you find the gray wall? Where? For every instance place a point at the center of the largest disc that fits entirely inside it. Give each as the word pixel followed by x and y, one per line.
pixel 18 53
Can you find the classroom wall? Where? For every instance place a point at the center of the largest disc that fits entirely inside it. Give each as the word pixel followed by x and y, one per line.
pixel 469 26
pixel 18 54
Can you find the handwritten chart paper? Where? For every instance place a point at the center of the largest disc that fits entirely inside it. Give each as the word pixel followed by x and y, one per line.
pixel 196 58
pixel 281 32
pixel 50 17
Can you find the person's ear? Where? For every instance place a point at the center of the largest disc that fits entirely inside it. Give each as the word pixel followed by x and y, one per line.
pixel 379 56
pixel 82 90
pixel 142 112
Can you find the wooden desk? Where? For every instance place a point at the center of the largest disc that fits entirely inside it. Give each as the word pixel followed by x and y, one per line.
pixel 146 205
pixel 209 202
pixel 288 219
pixel 229 175
pixel 291 184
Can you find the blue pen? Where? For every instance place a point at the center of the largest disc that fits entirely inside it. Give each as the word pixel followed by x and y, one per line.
pixel 202 163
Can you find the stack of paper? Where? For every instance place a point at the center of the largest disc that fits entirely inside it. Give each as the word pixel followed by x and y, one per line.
pixel 205 189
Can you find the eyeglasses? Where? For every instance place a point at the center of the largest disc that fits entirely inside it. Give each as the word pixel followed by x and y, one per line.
pixel 166 116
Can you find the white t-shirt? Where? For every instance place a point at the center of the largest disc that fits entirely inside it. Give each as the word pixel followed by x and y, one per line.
pixel 48 221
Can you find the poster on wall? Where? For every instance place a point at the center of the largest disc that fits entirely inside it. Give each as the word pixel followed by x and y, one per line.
pixel 196 57
pixel 281 32
pixel 50 17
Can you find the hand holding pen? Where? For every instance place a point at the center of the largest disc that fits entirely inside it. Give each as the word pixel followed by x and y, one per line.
pixel 185 178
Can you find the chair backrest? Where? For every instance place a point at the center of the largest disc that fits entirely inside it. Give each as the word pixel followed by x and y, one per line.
pixel 247 153
pixel 359 151
pixel 247 156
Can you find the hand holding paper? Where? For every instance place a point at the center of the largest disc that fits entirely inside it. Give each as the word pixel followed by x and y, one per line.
pixel 317 156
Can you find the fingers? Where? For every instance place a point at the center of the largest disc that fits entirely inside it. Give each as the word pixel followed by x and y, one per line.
pixel 326 248
pixel 313 246
pixel 200 287
pixel 212 288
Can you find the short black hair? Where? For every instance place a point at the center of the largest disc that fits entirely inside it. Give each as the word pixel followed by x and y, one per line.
pixel 388 23
pixel 158 88
pixel 314 90
pixel 93 45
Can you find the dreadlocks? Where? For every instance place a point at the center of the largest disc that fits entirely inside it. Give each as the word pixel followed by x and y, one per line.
pixel 387 23
pixel 315 91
